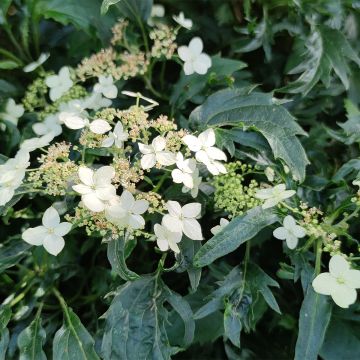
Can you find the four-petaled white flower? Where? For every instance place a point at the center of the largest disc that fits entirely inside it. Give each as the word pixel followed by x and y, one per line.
pixel 274 195
pixel 182 21
pixel 126 212
pixel 206 152
pixel 194 191
pixel 155 153
pixel 106 87
pixel 37 142
pixel 34 65
pixel 12 112
pixel 218 228
pixel 59 84
pixel 12 174
pixel 51 124
pixel 167 239
pixel 183 174
pixel 194 59
pixel 290 231
pixel 96 188
pixel 340 282
pixel 183 219
pixel 49 234
pixel 117 137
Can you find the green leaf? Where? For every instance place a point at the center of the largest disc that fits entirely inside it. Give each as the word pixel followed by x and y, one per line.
pixel 31 340
pixel 4 342
pixel 135 323
pixel 106 4
pixel 238 231
pixel 12 252
pixel 5 316
pixel 352 125
pixel 258 280
pixel 232 325
pixel 116 253
pixel 8 65
pixel 135 10
pixel 258 111
pixel 315 314
pixel 190 85
pixel 72 341
pixel 326 49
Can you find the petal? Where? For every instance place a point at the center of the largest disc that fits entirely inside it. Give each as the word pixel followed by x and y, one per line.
pixel 196 46
pixel 39 128
pixel 34 236
pixel 202 156
pixel 86 175
pixel 127 200
pixel 174 208
pixel 215 153
pixel 352 279
pixel 158 144
pixel 162 244
pixel 104 175
pixel 148 161
pixel 51 218
pixel 184 53
pixel 191 210
pixel 192 229
pixel 177 176
pixel 73 122
pixel 188 181
pixel 192 142
pixel 280 233
pixel 338 266
pixel 100 126
pixel 140 206
pixel 160 231
pixel 289 222
pixel 82 189
pixel 214 230
pixel 63 228
pixel 146 149
pixel 269 203
pixel 105 193
pixel 286 194
pixel 202 64
pixel 165 158
pixel 188 68
pixel 291 241
pixel 264 194
pixel 93 203
pixel 52 81
pixel 299 231
pixel 107 142
pixel 343 296
pixel 207 137
pixel 172 244
pixel 136 221
pixel 110 92
pixel 53 244
pixel 172 223
pixel 324 283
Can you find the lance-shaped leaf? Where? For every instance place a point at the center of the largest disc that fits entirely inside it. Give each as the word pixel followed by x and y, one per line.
pixel 116 253
pixel 31 341
pixel 136 323
pixel 238 231
pixel 258 111
pixel 72 341
pixel 315 314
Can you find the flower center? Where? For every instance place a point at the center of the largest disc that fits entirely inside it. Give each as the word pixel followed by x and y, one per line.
pixel 340 280
pixel 50 231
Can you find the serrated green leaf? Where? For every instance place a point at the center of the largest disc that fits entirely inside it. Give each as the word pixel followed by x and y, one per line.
pixel 72 341
pixel 116 253
pixel 315 314
pixel 238 231
pixel 135 323
pixel 31 340
pixel 254 110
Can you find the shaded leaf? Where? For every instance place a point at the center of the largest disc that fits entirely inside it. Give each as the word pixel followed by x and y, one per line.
pixel 12 252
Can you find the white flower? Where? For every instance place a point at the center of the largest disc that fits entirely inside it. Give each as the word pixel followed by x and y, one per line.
pixel 96 188
pixel 97 126
pixel 117 137
pixel 127 211
pixel 183 174
pixel 34 65
pixel 157 10
pixel 167 239
pixel 51 124
pixel 59 84
pixel 196 184
pixel 206 152
pixel 274 195
pixel 96 101
pixel 106 87
pixel 290 231
pixel 195 60
pixel 356 182
pixel 183 219
pixel 218 228
pixel 182 21
pixel 340 282
pixel 50 233
pixel 12 112
pixel 37 142
pixel 12 174
pixel 155 153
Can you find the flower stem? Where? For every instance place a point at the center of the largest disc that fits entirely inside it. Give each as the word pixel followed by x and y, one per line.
pixel 318 256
